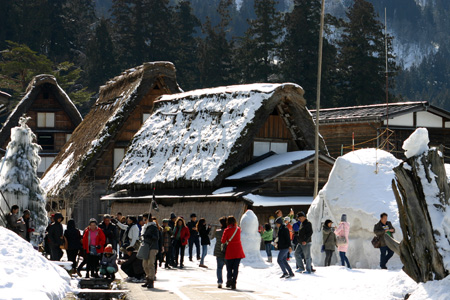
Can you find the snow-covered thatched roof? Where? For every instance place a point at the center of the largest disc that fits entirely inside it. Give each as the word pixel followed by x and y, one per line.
pixel 34 88
pixel 117 100
pixel 202 135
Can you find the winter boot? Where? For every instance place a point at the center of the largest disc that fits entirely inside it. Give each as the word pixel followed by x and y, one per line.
pixel 269 259
pixel 228 284
pixel 150 284
pixel 233 285
pixel 147 282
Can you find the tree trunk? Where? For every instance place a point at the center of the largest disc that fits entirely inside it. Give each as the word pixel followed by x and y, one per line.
pixel 418 250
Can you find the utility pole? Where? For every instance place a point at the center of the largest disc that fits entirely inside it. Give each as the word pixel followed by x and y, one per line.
pixel 319 77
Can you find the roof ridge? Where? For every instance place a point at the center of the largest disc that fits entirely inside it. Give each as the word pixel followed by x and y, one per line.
pixel 372 105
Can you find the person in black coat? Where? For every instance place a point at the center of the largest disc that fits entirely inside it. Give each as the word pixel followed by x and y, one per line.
pixel 193 237
pixel 304 239
pixel 110 231
pixel 133 265
pixel 55 237
pixel 284 247
pixel 204 231
pixel 73 236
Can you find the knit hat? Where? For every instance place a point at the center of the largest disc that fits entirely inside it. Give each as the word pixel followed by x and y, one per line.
pixel 58 216
pixel 193 216
pixel 344 218
pixel 108 249
pixel 172 216
pixel 93 220
pixel 106 216
pixel 279 220
pixel 287 219
pixel 301 214
pixel 165 220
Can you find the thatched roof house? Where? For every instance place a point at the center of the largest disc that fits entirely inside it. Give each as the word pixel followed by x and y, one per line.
pixel 98 144
pixel 53 116
pixel 194 140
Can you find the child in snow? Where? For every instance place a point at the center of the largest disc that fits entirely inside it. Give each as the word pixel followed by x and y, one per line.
pixel 267 237
pixel 108 265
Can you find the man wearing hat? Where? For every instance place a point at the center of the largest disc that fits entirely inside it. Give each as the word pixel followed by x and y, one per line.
pixel 194 236
pixel 55 237
pixel 304 241
pixel 284 247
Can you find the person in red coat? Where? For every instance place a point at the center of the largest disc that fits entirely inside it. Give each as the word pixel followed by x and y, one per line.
pixel 93 242
pixel 234 252
pixel 180 239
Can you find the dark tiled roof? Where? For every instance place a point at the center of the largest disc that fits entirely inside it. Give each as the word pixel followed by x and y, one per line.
pixel 375 112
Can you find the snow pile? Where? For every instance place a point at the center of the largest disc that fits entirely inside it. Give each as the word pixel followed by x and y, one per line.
pixel 417 143
pixel 359 185
pixel 190 136
pixel 436 290
pixel 26 274
pixel 273 161
pixel 251 240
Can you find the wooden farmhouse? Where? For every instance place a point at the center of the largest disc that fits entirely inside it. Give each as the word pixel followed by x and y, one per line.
pixel 53 118
pixel 367 124
pixel 220 151
pixel 79 175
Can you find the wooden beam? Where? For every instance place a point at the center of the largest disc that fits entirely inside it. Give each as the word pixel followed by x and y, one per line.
pixel 307 169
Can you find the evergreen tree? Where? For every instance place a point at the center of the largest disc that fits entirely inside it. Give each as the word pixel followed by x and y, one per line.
pixel 121 13
pixel 215 53
pixel 257 48
pixel 299 52
pixel 101 56
pixel 185 53
pixel 362 57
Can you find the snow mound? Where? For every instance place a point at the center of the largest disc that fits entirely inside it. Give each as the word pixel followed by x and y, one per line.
pixel 359 185
pixel 26 274
pixel 251 240
pixel 417 143
pixel 436 290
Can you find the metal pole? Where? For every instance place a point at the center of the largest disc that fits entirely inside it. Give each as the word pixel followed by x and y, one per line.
pixel 319 77
pixel 387 81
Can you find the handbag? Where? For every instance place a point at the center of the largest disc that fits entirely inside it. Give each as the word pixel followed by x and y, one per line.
pixel 223 247
pixel 341 240
pixel 65 244
pixel 143 252
pixel 376 242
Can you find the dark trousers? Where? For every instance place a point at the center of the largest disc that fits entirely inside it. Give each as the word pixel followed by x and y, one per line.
pixel 385 256
pixel 55 253
pixel 328 256
pixel 282 262
pixel 130 272
pixel 72 256
pixel 194 240
pixel 92 263
pixel 179 252
pixel 232 270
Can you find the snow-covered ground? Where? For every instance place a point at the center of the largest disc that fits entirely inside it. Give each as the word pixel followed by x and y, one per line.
pixel 26 274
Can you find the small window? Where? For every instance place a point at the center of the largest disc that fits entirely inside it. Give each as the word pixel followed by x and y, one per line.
pixel 68 135
pixel 46 120
pixel 46 141
pixel 45 164
pixel 261 148
pixel 145 116
pixel 119 153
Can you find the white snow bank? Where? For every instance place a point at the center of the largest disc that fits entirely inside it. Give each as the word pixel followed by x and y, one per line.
pixel 26 274
pixel 359 185
pixel 447 171
pixel 224 190
pixel 436 290
pixel 259 200
pixel 273 161
pixel 417 143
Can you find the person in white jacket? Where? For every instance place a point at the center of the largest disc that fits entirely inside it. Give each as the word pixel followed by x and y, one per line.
pixel 131 235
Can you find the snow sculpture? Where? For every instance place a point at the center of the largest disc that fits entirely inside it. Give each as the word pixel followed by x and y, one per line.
pixel 417 143
pixel 19 182
pixel 359 185
pixel 251 240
